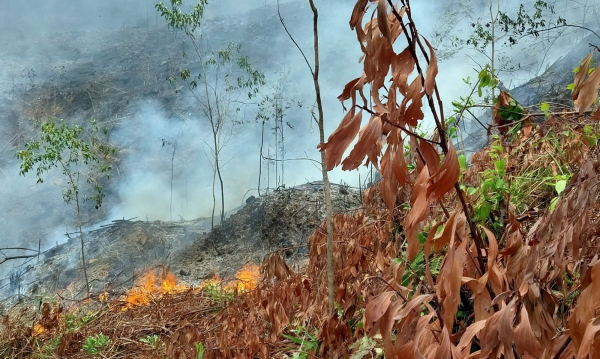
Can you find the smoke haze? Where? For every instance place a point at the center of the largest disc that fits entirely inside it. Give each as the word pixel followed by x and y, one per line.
pixel 48 47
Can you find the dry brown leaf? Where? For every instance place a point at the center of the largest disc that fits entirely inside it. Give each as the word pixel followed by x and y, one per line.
pixel 376 308
pixel 449 282
pixel 419 211
pixel 430 155
pixel 432 70
pixel 403 65
pixel 382 20
pixel 369 144
pixel 445 178
pixel 588 338
pixel 588 93
pixel 358 13
pixel 581 75
pixel 340 139
pixel 399 166
pixel 525 340
pixel 444 351
pixel 389 188
pixel 468 335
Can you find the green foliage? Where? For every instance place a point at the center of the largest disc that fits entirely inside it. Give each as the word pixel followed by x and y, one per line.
pixel 96 344
pixel 364 348
pixel 307 342
pixel 47 348
pixel 545 108
pixel 217 293
pixel 75 320
pixel 242 76
pixel 486 80
pixel 493 189
pixel 590 135
pixel 513 27
pixel 74 152
pixel 513 113
pixel 200 350
pixel 152 340
pixel 180 20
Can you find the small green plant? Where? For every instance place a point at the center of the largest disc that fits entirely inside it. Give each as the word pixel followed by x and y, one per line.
pixel 494 188
pixel 74 321
pixel 218 293
pixel 591 135
pixel 47 348
pixel 200 350
pixel 96 344
pixel 307 342
pixel 365 347
pixel 152 340
pixel 559 185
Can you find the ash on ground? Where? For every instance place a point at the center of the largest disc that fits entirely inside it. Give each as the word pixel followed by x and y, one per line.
pixel 119 252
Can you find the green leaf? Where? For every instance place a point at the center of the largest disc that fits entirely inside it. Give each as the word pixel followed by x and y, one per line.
pixel 499 183
pixel 500 166
pixel 553 203
pixel 422 237
pixel 200 349
pixel 472 191
pixel 545 107
pixel 294 339
pixel 483 212
pixel 462 161
pixel 560 186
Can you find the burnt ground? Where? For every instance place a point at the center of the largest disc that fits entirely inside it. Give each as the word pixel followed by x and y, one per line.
pixel 282 220
pixel 120 251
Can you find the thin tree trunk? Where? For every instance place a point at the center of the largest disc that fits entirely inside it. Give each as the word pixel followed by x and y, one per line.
pixel 222 187
pixel 326 186
pixel 276 145
pixel 262 141
pixel 282 149
pixel 87 283
pixel 493 18
pixel 172 172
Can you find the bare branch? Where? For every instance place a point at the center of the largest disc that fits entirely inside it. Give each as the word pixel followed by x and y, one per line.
pixel 294 41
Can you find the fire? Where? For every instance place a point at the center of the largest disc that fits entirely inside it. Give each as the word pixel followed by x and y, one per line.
pixel 38 329
pixel 149 287
pixel 247 277
pixel 103 297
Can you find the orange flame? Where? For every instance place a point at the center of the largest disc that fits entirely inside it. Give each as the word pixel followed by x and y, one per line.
pixel 38 329
pixel 247 277
pixel 148 287
pixel 103 297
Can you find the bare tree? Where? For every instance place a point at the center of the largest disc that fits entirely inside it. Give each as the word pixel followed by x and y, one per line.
pixel 319 119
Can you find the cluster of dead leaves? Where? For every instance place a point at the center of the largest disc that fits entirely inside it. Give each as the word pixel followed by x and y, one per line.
pixel 586 85
pixel 516 310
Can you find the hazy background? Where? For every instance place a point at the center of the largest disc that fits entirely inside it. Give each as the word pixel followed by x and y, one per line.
pixel 46 42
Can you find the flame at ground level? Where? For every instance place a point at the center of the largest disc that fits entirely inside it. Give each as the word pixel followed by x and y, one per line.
pixel 38 329
pixel 151 286
pixel 248 277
